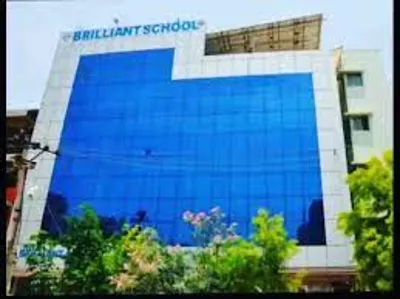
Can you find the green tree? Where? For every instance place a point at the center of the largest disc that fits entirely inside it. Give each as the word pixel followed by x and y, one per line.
pixel 45 275
pixel 90 261
pixel 225 263
pixel 141 267
pixel 137 262
pixel 238 265
pixel 149 267
pixel 85 271
pixel 370 223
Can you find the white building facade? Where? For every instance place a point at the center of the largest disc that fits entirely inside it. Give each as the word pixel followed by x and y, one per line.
pixel 368 105
pixel 79 113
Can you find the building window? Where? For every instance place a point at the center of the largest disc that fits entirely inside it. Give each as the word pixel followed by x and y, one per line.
pixel 360 123
pixel 354 80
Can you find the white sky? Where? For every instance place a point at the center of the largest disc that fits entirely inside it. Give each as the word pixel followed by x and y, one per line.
pixel 33 28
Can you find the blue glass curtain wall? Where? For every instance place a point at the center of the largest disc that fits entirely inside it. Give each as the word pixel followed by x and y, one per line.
pixel 136 140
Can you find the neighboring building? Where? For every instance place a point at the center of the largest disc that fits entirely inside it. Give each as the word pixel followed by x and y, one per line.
pixel 366 104
pixel 153 122
pixel 19 127
pixel 16 120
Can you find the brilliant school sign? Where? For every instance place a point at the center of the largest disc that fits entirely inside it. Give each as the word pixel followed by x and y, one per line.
pixel 154 29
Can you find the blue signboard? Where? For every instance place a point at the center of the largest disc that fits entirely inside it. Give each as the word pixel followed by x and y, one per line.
pixel 55 252
pixel 153 29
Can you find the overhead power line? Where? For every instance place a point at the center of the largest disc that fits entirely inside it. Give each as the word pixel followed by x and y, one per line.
pixel 161 162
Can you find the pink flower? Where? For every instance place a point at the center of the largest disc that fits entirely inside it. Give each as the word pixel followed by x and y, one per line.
pixel 199 218
pixel 195 221
pixel 188 216
pixel 201 215
pixel 215 210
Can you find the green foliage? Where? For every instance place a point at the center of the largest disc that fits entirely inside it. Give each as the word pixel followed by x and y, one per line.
pixel 85 271
pixel 149 266
pixel 87 266
pixel 237 265
pixel 141 267
pixel 371 222
pixel 136 262
pixel 272 237
pixel 45 276
pixel 114 255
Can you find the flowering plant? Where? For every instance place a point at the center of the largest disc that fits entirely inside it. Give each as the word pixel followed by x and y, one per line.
pixel 144 259
pixel 210 228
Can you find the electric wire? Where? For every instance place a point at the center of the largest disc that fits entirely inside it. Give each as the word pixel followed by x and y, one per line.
pixel 154 160
pixel 143 158
pixel 54 219
pixel 141 161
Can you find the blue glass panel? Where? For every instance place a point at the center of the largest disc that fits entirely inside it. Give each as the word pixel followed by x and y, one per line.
pixel 220 188
pixel 239 209
pixel 243 226
pixel 277 204
pixel 138 145
pixel 166 209
pixel 276 184
pixel 202 204
pixel 184 234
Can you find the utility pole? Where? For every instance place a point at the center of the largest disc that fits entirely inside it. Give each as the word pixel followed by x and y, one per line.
pixel 22 164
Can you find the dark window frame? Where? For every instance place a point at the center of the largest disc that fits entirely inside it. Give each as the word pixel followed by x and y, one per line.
pixel 354 74
pixel 360 123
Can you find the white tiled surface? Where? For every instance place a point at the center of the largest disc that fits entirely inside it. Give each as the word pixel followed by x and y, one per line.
pixel 45 167
pixel 28 228
pixel 43 185
pixel 334 205
pixel 324 99
pixel 338 256
pixel 303 63
pixel 194 70
pixel 326 117
pixel 300 259
pixel 334 237
pixel 54 130
pixel 334 183
pixel 210 69
pixel 189 62
pixel 27 208
pixel 239 67
pixel 256 66
pixel 36 211
pixel 287 63
pixel 328 139
pixel 331 160
pixel 316 256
